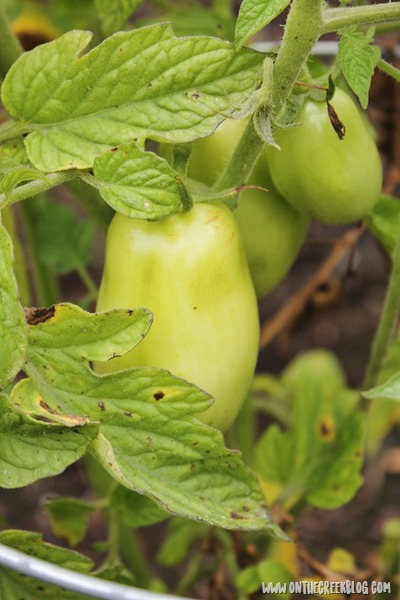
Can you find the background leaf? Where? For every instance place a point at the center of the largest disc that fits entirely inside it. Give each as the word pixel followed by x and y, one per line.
pixel 113 15
pixel 384 221
pixel 254 15
pixel 140 83
pixel 319 457
pixel 64 239
pixel 69 518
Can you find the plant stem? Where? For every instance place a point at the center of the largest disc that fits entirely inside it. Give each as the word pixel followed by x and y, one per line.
pixel 36 187
pixel 336 18
pixel 20 271
pixel 45 285
pixel 389 69
pixel 242 161
pixel 387 325
pixel 10 47
pixel 303 28
pixel 87 280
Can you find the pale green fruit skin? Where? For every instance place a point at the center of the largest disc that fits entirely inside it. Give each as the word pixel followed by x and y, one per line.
pixel 190 270
pixel 272 231
pixel 331 180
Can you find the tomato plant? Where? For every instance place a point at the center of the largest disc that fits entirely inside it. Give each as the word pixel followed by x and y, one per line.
pixel 331 178
pixel 134 373
pixel 191 272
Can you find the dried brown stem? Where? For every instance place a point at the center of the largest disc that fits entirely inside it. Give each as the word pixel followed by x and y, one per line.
pixel 298 303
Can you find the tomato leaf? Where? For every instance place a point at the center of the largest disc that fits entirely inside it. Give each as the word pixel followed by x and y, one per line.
pixel 139 184
pixel 149 440
pixel 140 83
pixel 272 570
pixel 390 389
pixel 358 59
pixel 384 221
pixel 13 585
pixel 64 240
pixel 13 330
pixel 32 450
pixel 69 518
pixel 254 15
pixel 136 510
pixel 320 456
pixel 113 15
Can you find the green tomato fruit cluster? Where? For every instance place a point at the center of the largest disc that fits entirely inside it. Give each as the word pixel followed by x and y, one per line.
pixel 272 230
pixel 191 271
pixel 332 180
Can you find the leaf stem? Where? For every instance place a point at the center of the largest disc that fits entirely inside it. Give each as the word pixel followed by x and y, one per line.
pixel 387 324
pixel 389 69
pixel 10 47
pixel 8 218
pixel 336 18
pixel 242 161
pixel 44 282
pixel 88 281
pixel 36 187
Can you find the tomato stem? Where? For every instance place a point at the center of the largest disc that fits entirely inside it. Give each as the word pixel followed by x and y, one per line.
pixel 35 187
pixel 387 324
pixel 336 18
pixel 389 69
pixel 303 28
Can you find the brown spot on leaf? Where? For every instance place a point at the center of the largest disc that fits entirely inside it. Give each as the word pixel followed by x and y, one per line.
pixel 326 428
pixel 35 315
pixel 236 516
pixel 158 395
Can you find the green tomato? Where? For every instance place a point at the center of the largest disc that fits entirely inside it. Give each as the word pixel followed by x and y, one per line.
pixel 332 180
pixel 190 270
pixel 272 231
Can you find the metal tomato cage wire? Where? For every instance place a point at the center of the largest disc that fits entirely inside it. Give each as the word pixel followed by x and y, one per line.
pixel 87 584
pixel 73 581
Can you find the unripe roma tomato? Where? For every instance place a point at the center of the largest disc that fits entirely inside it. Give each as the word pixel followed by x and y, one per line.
pixel 331 180
pixel 190 270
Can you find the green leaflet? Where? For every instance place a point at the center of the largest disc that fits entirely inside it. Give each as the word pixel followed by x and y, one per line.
pixel 13 331
pixel 141 83
pixel 254 15
pixel 319 457
pixel 358 59
pixel 148 438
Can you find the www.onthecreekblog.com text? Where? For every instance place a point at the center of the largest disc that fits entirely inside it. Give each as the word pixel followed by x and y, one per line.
pixel 322 588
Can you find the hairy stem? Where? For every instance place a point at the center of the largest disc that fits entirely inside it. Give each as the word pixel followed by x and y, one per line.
pixel 336 18
pixel 303 28
pixel 389 69
pixel 36 187
pixel 387 325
